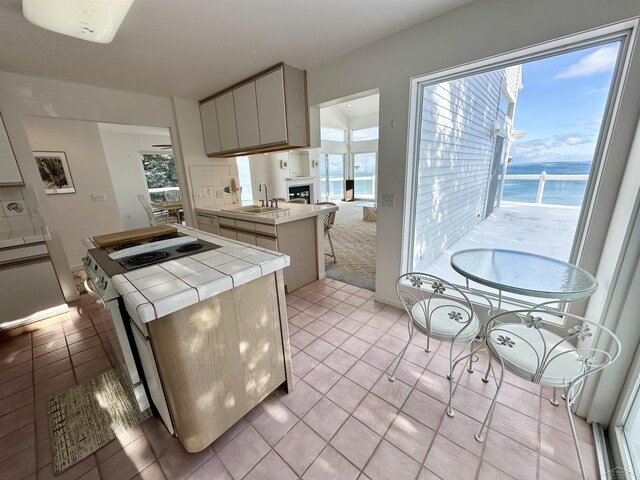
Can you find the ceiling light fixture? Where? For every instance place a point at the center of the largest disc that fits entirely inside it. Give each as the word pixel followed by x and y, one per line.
pixel 349 105
pixel 92 20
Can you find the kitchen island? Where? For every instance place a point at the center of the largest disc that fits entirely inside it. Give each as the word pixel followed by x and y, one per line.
pixel 294 229
pixel 211 334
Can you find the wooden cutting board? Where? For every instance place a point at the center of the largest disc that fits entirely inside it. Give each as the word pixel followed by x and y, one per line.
pixel 132 235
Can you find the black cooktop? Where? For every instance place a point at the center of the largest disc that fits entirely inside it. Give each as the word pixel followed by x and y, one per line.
pixel 115 267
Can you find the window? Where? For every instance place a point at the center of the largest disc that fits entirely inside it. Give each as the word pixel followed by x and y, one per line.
pixel 364 174
pixel 333 134
pixel 362 134
pixel 480 178
pixel 244 174
pixel 160 173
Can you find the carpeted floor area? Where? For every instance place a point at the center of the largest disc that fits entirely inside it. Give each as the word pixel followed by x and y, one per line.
pixel 354 241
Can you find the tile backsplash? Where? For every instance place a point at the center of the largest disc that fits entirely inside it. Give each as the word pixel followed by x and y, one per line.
pixel 208 184
pixel 19 209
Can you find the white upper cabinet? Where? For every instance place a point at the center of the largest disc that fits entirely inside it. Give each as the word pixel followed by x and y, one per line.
pixel 246 110
pixel 9 172
pixel 272 114
pixel 210 127
pixel 265 113
pixel 227 122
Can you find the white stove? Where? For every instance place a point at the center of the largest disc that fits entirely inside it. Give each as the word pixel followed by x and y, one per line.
pixel 101 264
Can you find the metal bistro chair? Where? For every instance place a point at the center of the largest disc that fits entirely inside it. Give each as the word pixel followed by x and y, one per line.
pixel 525 344
pixel 154 218
pixel 329 221
pixel 441 310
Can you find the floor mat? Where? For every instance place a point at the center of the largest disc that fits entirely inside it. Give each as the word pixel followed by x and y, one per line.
pixel 78 278
pixel 88 416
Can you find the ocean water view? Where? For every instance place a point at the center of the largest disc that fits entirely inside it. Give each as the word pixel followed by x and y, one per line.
pixel 556 192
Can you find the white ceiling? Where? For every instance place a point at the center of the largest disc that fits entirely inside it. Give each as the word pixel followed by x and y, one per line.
pixel 361 106
pixel 193 48
pixel 133 129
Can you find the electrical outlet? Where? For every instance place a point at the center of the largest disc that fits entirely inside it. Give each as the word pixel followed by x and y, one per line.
pixel 98 197
pixel 388 200
pixel 283 164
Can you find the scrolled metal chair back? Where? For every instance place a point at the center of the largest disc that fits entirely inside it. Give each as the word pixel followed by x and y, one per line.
pixel 582 336
pixel 427 291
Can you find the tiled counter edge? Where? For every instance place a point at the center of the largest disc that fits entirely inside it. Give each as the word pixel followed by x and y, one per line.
pixel 158 290
pixel 13 238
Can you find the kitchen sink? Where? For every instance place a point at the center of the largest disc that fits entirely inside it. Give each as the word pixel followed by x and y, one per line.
pixel 254 210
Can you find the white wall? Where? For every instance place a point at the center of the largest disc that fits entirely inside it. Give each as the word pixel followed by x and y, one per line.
pixel 122 152
pixel 23 96
pixel 74 214
pixel 478 30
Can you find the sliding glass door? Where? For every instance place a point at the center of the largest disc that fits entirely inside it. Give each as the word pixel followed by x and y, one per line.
pixel 364 174
pixel 331 176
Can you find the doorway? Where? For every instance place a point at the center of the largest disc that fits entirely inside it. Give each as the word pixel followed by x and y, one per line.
pixel 348 168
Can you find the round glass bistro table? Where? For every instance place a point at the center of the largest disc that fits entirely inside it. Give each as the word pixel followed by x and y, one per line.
pixel 524 273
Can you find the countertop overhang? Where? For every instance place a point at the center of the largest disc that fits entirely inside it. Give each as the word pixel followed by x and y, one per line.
pixel 158 290
pixel 292 213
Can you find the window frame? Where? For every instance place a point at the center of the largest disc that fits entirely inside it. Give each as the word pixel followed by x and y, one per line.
pixel 623 32
pixel 351 132
pixel 327 127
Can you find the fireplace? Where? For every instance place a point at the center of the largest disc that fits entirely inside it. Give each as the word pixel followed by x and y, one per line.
pixel 300 191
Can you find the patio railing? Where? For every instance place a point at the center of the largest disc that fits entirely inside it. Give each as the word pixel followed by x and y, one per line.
pixel 542 178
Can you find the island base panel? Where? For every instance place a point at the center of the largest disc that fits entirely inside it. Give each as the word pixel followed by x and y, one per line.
pixel 221 357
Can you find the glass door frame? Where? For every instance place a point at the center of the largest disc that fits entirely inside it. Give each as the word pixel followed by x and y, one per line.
pixel 375 175
pixel 325 195
pixel 623 32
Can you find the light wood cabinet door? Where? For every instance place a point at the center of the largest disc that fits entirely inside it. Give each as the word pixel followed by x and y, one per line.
pixel 272 116
pixel 210 127
pixel 264 242
pixel 228 233
pixel 246 238
pixel 208 224
pixel 244 99
pixel 227 122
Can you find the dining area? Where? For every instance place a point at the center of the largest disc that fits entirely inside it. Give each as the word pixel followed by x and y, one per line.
pixel 515 316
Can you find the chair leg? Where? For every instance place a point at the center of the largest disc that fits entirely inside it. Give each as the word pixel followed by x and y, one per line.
pixel 480 435
pixel 428 349
pixel 333 253
pixel 470 367
pixel 453 363
pixel 568 403
pixel 392 377
pixel 485 379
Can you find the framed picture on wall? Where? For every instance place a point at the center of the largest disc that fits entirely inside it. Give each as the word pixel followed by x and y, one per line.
pixel 54 172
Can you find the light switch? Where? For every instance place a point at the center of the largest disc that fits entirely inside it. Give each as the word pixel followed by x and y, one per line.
pixel 388 200
pixel 98 197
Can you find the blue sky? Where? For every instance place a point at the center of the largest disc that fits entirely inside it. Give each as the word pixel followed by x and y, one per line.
pixel 561 104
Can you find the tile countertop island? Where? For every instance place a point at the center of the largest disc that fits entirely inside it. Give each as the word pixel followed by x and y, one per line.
pixel 158 290
pixel 211 333
pixel 296 230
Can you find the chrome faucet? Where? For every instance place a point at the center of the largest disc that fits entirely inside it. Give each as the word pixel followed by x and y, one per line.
pixel 265 202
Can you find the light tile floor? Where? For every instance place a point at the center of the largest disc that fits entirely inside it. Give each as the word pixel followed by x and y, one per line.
pixel 344 420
